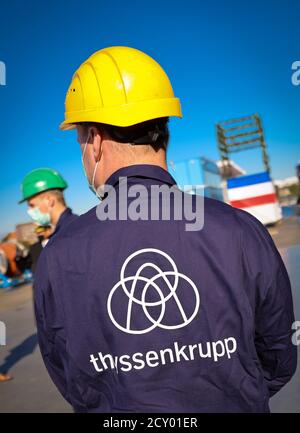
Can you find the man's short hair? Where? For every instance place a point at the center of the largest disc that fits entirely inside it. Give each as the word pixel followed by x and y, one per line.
pixel 59 194
pixel 153 132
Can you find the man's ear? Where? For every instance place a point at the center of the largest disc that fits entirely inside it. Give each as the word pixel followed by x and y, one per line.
pixel 51 199
pixel 97 139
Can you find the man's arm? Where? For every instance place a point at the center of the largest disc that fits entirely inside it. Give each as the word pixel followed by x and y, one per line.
pixel 49 326
pixel 274 314
pixel 274 331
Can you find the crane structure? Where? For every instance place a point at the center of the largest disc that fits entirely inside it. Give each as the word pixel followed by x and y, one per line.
pixel 256 192
pixel 241 134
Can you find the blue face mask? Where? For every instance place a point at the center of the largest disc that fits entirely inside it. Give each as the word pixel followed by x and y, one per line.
pixel 43 219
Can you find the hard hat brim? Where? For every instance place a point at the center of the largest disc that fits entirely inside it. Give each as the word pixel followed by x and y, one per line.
pixel 125 115
pixel 38 193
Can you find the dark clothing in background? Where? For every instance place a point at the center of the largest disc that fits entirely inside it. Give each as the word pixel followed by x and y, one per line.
pixel 91 303
pixel 33 255
pixel 30 261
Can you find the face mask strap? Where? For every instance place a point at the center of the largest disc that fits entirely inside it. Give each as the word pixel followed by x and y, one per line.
pixel 92 184
pixel 83 154
pixel 93 180
pixel 94 175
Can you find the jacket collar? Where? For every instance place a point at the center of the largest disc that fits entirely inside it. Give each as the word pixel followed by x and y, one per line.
pixel 66 213
pixel 142 171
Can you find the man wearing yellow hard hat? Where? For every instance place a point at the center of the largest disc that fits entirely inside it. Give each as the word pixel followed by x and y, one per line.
pixel 135 313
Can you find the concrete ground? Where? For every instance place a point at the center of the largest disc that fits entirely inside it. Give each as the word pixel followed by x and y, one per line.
pixel 31 389
pixel 286 235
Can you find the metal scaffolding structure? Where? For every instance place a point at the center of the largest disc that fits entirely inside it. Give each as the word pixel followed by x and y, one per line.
pixel 236 135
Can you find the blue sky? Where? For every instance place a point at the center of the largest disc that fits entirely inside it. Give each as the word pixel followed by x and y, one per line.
pixel 225 59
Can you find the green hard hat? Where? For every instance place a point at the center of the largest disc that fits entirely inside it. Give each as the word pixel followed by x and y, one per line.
pixel 40 180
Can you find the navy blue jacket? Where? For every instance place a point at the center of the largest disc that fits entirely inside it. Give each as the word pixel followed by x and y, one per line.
pixel 65 218
pixel 145 316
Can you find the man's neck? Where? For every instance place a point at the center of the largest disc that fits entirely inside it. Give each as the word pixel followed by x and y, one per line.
pixel 156 162
pixel 56 213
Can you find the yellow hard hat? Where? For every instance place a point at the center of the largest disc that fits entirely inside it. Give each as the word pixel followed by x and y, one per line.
pixel 119 86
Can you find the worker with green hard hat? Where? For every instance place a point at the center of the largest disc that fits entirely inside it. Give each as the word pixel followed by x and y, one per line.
pixel 43 188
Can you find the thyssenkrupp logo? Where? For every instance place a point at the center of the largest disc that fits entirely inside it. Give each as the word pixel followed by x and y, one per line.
pixel 137 292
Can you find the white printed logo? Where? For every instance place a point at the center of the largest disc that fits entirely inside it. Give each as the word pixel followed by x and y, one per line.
pixel 175 293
